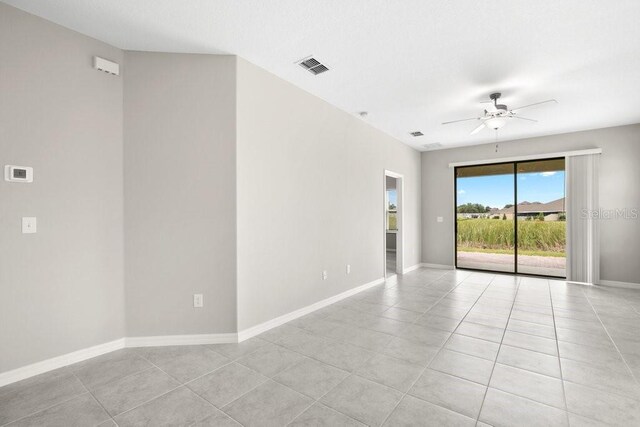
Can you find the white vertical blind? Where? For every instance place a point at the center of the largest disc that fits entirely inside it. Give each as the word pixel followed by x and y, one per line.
pixel 583 238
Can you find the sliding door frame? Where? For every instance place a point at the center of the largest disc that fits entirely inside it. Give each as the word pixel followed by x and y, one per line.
pixel 515 216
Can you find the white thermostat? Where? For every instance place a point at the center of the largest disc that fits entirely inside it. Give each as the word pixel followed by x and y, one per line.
pixel 18 173
pixel 105 65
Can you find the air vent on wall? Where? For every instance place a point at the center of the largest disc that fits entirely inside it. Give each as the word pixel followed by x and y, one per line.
pixel 433 146
pixel 313 66
pixel 416 133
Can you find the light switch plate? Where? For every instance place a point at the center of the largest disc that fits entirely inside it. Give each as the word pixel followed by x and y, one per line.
pixel 28 224
pixel 198 300
pixel 440 219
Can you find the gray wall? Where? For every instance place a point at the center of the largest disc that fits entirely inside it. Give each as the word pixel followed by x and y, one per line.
pixel 179 162
pixel 310 198
pixel 619 178
pixel 62 288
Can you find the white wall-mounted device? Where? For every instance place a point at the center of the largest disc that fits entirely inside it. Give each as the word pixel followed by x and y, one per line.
pixel 18 173
pixel 105 65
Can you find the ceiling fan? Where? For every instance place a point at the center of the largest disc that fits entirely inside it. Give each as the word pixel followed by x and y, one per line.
pixel 497 115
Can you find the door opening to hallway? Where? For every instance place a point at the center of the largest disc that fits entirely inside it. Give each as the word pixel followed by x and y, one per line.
pixel 393 242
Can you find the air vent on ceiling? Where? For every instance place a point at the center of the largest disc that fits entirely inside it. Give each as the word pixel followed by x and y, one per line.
pixel 313 66
pixel 416 133
pixel 432 146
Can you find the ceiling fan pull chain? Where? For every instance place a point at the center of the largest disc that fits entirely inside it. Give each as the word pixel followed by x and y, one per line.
pixel 496 140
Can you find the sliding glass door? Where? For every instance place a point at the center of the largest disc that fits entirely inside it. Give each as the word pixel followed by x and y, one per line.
pixel 541 219
pixel 486 240
pixel 510 217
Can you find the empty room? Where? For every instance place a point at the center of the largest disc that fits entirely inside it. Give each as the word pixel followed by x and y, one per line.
pixel 319 213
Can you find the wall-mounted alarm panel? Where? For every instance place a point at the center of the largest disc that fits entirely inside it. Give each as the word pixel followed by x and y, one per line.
pixel 18 173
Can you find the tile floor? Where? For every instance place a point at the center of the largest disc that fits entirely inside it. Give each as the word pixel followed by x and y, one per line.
pixel 391 263
pixel 433 347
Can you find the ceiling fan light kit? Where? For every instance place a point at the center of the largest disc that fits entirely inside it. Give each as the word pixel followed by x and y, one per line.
pixel 496 122
pixel 497 115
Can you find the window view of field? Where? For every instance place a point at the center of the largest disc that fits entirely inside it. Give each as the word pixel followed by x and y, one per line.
pixel 534 237
pixel 486 232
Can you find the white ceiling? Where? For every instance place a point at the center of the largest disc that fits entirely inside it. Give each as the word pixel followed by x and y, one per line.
pixel 411 64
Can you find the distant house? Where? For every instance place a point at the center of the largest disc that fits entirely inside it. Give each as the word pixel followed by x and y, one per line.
pixel 550 210
pixel 469 215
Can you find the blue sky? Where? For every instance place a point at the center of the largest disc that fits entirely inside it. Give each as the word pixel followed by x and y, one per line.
pixel 392 195
pixel 497 190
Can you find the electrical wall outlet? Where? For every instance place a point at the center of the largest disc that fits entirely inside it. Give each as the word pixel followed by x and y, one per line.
pixel 198 300
pixel 348 268
pixel 28 224
pixel 324 275
pixel 440 219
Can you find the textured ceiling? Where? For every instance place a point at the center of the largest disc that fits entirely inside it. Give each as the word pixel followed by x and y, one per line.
pixel 411 64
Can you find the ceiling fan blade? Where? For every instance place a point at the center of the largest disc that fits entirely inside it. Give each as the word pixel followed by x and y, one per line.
pixel 462 120
pixel 523 118
pixel 533 105
pixel 478 129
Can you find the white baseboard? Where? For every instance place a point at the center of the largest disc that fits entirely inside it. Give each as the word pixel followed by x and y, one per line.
pixel 438 266
pixel 164 340
pixel 616 284
pixel 273 323
pixel 410 269
pixel 37 368
pixel 580 283
pixel 28 371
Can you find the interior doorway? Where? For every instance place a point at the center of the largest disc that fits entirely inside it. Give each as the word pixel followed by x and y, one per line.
pixel 393 241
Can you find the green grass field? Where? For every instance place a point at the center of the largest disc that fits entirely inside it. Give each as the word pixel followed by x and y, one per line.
pixel 544 238
pixel 392 221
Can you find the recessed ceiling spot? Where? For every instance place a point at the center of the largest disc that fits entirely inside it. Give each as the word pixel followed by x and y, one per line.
pixel 313 66
pixel 416 133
